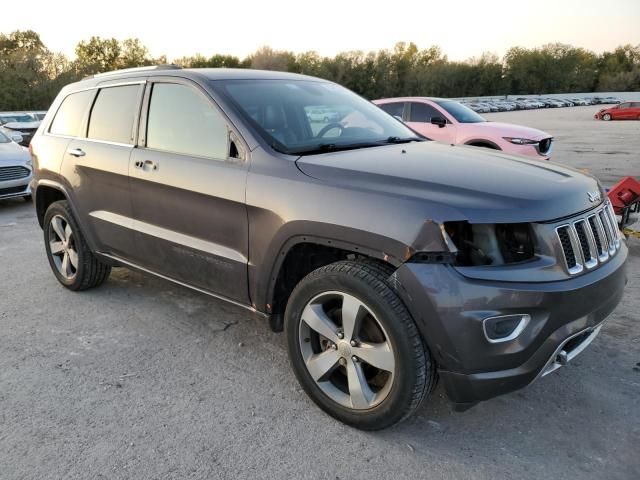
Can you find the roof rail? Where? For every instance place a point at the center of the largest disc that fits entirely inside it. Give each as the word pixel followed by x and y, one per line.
pixel 135 70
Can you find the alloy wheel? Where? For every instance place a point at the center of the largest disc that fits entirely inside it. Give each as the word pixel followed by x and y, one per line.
pixel 346 350
pixel 62 247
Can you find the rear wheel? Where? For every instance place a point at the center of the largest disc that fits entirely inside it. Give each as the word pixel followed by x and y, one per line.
pixel 354 347
pixel 71 260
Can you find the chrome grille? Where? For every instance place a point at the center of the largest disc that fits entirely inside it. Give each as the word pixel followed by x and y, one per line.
pixel 588 241
pixel 13 173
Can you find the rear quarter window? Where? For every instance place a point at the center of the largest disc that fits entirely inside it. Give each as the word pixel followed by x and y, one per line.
pixel 113 114
pixel 71 113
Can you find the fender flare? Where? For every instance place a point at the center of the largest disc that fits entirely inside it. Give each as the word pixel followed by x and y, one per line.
pixel 392 251
pixel 35 188
pixel 263 280
pixel 45 182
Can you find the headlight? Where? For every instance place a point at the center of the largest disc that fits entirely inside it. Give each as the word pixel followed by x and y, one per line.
pixel 520 141
pixel 466 244
pixel 491 244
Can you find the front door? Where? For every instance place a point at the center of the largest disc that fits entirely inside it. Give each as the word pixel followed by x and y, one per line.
pixel 419 118
pixel 188 192
pixel 623 112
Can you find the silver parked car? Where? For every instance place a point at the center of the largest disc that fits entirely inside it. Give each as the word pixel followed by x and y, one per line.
pixel 15 169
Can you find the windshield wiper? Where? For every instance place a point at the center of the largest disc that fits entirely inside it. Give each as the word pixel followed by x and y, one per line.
pixel 337 147
pixel 403 140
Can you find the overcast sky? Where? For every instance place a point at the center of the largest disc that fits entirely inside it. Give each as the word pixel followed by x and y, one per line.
pixel 462 28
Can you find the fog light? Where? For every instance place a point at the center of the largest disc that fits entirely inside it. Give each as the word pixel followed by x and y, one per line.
pixel 504 327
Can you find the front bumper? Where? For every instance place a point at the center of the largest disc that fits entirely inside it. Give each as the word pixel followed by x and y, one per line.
pixel 531 150
pixel 449 309
pixel 16 188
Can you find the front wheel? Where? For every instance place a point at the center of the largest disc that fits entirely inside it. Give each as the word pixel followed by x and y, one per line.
pixel 606 117
pixel 354 347
pixel 70 258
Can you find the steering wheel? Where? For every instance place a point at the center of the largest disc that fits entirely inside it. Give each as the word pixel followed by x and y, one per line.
pixel 328 127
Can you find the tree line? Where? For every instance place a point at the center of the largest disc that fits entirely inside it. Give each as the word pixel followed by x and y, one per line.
pixel 31 74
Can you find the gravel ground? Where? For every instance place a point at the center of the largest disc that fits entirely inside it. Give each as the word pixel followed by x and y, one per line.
pixel 609 150
pixel 143 379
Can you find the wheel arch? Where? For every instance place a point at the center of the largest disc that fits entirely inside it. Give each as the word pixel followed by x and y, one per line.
pixel 302 254
pixel 482 142
pixel 45 193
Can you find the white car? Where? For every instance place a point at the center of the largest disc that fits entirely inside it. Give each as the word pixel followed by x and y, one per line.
pixel 15 169
pixel 322 115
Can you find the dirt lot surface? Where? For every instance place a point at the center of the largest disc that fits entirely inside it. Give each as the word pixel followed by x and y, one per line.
pixel 141 379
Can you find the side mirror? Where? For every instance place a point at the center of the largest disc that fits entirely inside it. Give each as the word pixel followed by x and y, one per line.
pixel 16 137
pixel 439 121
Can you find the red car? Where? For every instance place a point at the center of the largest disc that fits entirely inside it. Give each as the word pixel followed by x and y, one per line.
pixel 623 111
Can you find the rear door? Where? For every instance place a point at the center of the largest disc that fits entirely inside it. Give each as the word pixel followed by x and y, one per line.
pixel 397 109
pixel 188 178
pixel 97 164
pixel 420 115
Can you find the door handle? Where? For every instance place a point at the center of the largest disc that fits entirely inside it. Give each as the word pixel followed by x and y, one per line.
pixel 76 152
pixel 146 165
pixel 149 165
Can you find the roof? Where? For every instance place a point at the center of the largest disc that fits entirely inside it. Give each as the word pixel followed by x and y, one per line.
pixel 247 74
pixel 210 73
pixel 409 99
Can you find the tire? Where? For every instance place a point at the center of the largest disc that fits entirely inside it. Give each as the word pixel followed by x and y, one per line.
pixel 606 117
pixel 395 390
pixel 62 233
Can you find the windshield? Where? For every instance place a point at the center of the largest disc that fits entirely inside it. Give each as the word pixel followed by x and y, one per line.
pixel 460 112
pixel 306 117
pixel 15 118
pixel 4 138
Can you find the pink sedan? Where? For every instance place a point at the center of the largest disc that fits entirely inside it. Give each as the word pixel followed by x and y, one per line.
pixel 451 122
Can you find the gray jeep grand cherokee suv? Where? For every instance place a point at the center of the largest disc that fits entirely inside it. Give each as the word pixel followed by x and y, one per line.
pixel 389 260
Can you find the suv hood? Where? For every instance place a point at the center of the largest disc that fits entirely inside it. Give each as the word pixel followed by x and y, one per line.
pixel 13 154
pixel 509 130
pixel 459 182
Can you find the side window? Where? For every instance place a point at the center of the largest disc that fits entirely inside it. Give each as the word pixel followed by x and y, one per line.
pixel 395 109
pixel 181 120
pixel 69 117
pixel 421 112
pixel 113 114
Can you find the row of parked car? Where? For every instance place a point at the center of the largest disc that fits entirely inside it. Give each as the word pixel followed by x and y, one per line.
pixel 507 105
pixel 20 126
